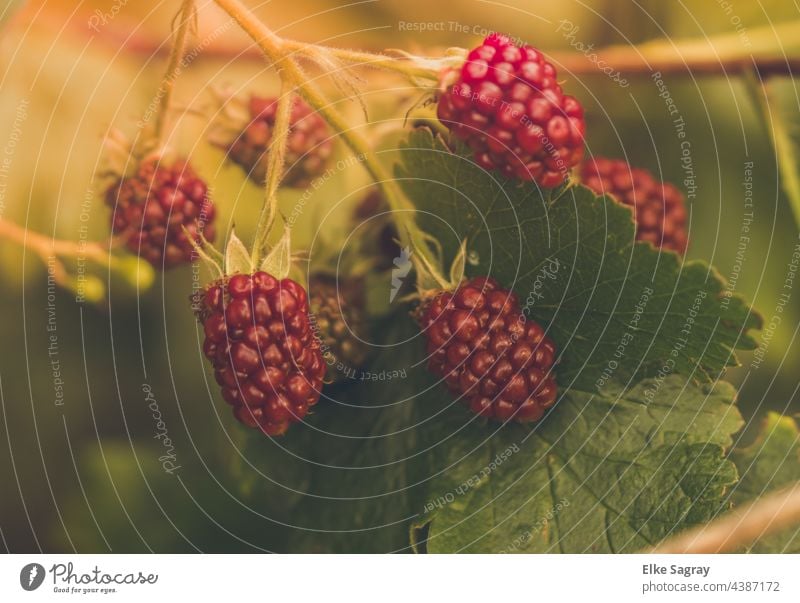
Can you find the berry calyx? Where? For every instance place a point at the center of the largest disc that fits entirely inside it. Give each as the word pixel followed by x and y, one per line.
pixel 339 320
pixel 266 358
pixel 659 209
pixel 161 211
pixel 506 105
pixel 489 353
pixel 246 138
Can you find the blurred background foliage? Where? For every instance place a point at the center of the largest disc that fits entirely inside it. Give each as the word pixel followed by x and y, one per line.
pixel 85 476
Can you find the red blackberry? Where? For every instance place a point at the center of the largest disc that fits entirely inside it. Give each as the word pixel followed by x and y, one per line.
pixel 659 208
pixel 488 353
pixel 307 149
pixel 265 355
pixel 509 109
pixel 152 208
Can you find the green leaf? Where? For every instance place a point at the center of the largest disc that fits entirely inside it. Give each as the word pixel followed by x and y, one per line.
pixel 616 310
pixel 612 473
pixel 769 463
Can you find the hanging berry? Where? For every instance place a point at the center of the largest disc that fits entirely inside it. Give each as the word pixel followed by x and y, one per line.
pixel 489 353
pixel 505 103
pixel 161 212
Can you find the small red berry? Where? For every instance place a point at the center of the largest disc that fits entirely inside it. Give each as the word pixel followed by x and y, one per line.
pixel 489 354
pixel 307 149
pixel 659 208
pixel 507 106
pixel 152 208
pixel 265 355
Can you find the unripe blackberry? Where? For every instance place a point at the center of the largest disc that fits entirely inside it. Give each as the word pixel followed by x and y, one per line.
pixel 506 104
pixel 339 320
pixel 308 146
pixel 659 209
pixel 259 339
pixel 152 208
pixel 489 354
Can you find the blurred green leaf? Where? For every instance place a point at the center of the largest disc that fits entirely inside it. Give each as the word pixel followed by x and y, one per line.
pixel 769 463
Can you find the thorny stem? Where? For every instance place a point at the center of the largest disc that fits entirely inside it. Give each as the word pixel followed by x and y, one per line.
pixel 740 528
pixel 185 16
pixel 280 53
pixel 275 163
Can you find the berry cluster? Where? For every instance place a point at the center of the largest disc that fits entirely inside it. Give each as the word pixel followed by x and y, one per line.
pixel 266 357
pixel 160 211
pixel 507 106
pixel 308 147
pixel 659 208
pixel 488 353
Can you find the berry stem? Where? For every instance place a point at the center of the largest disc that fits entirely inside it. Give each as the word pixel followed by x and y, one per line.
pixel 186 15
pixel 772 120
pixel 412 66
pixel 277 50
pixel 275 161
pixel 46 247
